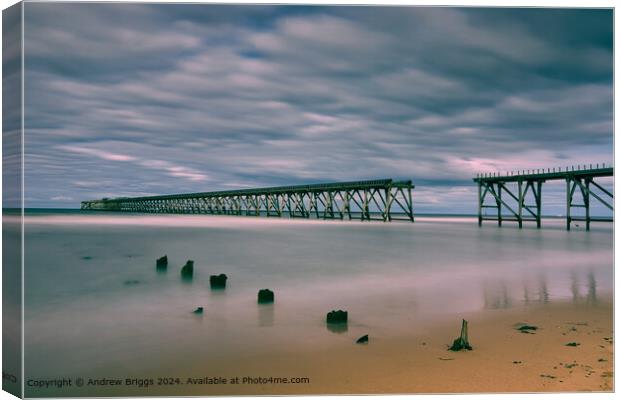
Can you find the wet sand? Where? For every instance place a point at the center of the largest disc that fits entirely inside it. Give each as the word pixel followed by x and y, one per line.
pixel 503 359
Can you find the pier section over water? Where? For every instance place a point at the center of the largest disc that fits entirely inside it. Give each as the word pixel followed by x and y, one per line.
pixel 385 198
pixel 518 184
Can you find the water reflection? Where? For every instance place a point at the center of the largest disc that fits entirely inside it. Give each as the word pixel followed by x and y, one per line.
pixel 217 293
pixel 161 269
pixel 337 328
pixel 266 314
pixel 590 297
pixel 543 291
pixel 496 294
pixel 591 288
pixel 574 287
pixel 526 293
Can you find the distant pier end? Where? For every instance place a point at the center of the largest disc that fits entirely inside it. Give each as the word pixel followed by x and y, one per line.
pixel 383 199
pixel 523 182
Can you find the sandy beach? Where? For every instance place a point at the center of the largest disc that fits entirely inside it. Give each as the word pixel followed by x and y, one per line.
pixel 503 359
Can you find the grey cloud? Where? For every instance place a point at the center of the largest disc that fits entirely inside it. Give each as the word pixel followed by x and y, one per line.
pixel 158 99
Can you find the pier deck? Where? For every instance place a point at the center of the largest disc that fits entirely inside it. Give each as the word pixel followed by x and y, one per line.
pixel 339 200
pixel 530 181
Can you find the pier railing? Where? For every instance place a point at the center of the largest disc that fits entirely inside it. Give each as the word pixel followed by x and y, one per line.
pixel 518 184
pixel 388 199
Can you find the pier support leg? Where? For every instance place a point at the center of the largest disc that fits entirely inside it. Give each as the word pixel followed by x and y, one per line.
pixel 410 203
pixel 279 205
pixel 366 211
pixel 316 204
pixel 479 203
pixel 386 212
pixel 520 217
pixel 568 203
pixel 538 204
pixel 499 205
pixel 586 202
pixel 291 212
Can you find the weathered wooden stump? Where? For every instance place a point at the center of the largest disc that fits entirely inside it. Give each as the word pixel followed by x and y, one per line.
pixel 162 263
pixel 265 296
pixel 362 340
pixel 199 310
pixel 218 281
pixel 461 343
pixel 337 317
pixel 187 272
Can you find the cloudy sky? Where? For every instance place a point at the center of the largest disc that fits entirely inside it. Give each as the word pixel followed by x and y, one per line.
pixel 137 99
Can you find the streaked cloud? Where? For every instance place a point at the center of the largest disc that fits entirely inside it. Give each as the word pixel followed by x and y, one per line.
pixel 170 168
pixel 104 155
pixel 151 99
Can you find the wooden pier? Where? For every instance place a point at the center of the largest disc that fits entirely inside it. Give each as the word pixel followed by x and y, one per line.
pixel 518 184
pixel 382 199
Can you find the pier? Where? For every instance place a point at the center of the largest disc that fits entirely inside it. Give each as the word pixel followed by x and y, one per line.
pixel 383 199
pixel 516 186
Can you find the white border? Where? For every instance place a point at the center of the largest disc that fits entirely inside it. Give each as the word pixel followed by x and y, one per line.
pixel 462 3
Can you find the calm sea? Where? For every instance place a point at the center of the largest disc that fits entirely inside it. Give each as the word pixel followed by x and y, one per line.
pixel 96 306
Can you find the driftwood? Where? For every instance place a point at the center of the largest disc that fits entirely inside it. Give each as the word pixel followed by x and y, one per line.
pixel 265 296
pixel 461 343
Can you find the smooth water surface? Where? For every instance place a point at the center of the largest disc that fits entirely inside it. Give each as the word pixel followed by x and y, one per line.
pixel 95 303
